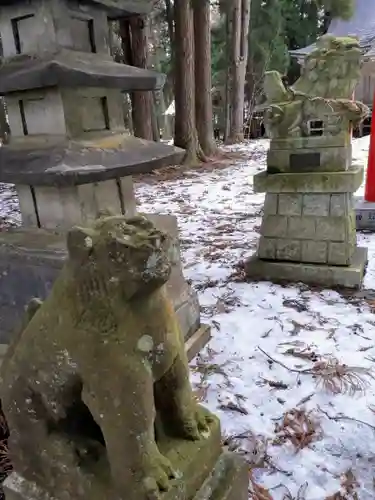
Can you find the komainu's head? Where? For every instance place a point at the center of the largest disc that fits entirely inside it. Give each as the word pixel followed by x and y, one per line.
pixel 124 254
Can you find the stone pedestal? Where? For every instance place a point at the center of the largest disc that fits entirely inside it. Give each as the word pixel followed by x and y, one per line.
pixel 308 229
pixel 306 154
pixel 365 215
pixel 70 156
pixel 34 257
pixel 206 473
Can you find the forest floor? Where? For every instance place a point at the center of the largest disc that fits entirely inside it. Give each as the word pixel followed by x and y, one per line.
pixel 290 369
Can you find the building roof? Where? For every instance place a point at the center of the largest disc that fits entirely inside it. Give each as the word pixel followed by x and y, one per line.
pixel 361 25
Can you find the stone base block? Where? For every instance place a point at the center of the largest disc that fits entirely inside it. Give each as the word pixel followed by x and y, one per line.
pixel 30 261
pixel 314 274
pixel 308 226
pixel 228 480
pixel 325 159
pixel 52 207
pixel 365 215
pixel 206 473
pixel 312 182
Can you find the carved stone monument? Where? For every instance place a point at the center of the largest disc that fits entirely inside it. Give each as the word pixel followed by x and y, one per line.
pixel 308 230
pixel 69 155
pixel 82 383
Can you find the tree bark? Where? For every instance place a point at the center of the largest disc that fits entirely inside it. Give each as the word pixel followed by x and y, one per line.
pixel 141 100
pixel 169 84
pixel 155 118
pixel 228 36
pixel 203 79
pixel 170 23
pixel 185 135
pixel 240 47
pixel 4 126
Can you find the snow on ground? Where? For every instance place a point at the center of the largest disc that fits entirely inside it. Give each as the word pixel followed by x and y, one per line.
pixel 273 347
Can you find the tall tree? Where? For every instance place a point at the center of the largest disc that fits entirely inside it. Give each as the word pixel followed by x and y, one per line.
pixel 203 79
pixel 185 136
pixel 240 13
pixel 141 101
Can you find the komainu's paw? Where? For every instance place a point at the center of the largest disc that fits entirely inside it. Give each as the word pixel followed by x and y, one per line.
pixel 196 422
pixel 157 476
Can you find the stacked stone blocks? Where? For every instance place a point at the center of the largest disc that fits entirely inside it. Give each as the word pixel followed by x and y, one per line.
pixel 308 228
pixel 312 228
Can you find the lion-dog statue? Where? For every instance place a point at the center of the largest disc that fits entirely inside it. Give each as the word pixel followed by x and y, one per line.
pixel 83 381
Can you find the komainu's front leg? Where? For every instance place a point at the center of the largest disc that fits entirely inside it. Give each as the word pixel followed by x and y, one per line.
pixel 180 413
pixel 123 407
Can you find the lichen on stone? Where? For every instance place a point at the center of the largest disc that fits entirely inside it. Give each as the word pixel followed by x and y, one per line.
pixel 93 365
pixel 323 92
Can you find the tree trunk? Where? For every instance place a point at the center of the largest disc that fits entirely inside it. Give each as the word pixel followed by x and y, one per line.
pixel 203 81
pixel 169 84
pixel 170 23
pixel 4 127
pixel 228 36
pixel 141 100
pixel 185 135
pixel 155 117
pixel 240 36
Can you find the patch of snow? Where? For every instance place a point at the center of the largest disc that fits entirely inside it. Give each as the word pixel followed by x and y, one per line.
pixel 219 217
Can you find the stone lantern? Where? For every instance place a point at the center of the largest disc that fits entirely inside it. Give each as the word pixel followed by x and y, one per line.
pixel 69 154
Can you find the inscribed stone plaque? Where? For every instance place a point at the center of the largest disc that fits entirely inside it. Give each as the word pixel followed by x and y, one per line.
pixel 304 162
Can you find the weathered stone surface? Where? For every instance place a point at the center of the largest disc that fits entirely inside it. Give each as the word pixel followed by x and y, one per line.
pixel 288 249
pixel 81 382
pixel 341 254
pixel 308 224
pixel 342 139
pixel 270 204
pixel 316 204
pixel 314 252
pixel 333 159
pixel 267 248
pixel 313 221
pixel 41 26
pixel 74 69
pixel 332 228
pixel 302 227
pixel 114 8
pixel 340 204
pixel 61 112
pixel 322 93
pixel 51 162
pixel 228 480
pixel 183 296
pixel 35 258
pixel 313 182
pixel 60 208
pixel 365 215
pixel 315 274
pixel 274 225
pixel 290 204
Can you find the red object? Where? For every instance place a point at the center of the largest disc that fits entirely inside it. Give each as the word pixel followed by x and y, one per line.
pixel 370 177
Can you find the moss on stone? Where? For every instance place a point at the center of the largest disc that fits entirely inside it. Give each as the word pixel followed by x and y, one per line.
pixel 103 352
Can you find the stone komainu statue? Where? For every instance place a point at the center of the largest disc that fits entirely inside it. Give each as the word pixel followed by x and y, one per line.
pixel 98 359
pixel 324 91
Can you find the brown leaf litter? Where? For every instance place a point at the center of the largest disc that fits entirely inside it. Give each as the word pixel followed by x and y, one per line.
pixel 332 375
pixel 298 427
pixel 176 172
pixel 349 484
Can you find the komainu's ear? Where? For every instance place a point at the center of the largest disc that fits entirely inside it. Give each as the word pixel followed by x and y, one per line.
pixel 79 243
